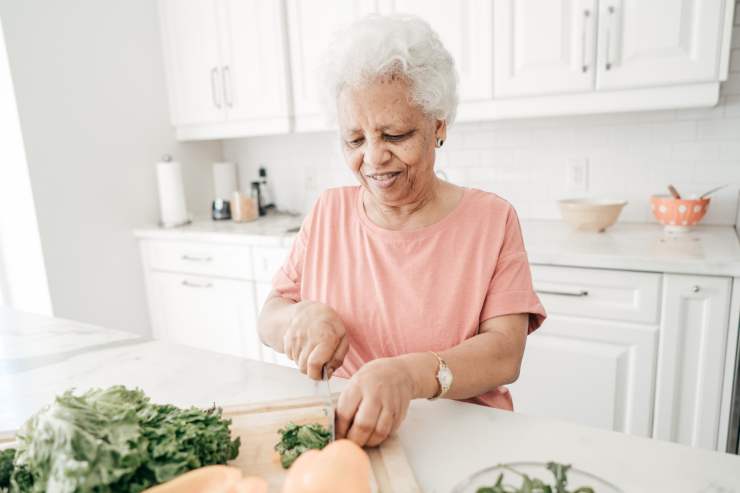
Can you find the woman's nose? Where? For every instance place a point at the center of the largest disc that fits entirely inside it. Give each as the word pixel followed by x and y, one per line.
pixel 376 154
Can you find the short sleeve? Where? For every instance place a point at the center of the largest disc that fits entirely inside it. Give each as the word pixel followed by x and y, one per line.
pixel 287 280
pixel 510 290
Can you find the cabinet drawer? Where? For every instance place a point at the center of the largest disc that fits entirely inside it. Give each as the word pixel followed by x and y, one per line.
pixel 267 261
pixel 193 257
pixel 598 293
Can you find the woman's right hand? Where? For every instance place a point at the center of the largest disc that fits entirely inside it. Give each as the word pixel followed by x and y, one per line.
pixel 315 337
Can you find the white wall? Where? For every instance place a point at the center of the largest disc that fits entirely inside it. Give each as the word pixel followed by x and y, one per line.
pixel 90 88
pixel 631 156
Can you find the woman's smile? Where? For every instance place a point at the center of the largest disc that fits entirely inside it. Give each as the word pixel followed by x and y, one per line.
pixel 383 180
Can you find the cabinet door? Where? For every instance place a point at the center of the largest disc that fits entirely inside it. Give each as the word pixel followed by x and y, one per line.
pixel 190 42
pixel 268 354
pixel 310 27
pixel 592 372
pixel 465 30
pixel 543 47
pixel 254 70
pixel 692 359
pixel 658 42
pixel 204 312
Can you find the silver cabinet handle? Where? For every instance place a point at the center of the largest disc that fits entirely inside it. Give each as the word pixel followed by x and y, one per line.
pixel 584 64
pixel 610 10
pixel 695 289
pixel 196 285
pixel 191 258
pixel 226 80
pixel 577 294
pixel 214 97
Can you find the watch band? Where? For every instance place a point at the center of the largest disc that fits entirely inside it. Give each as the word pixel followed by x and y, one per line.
pixel 444 377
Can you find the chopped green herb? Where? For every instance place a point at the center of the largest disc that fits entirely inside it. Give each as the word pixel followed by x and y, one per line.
pixel 6 467
pixel 534 485
pixel 296 439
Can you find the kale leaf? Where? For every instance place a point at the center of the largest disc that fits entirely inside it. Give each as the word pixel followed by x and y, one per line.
pixel 116 440
pixel 296 439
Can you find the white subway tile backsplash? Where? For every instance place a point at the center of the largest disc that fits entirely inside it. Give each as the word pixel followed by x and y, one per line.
pixel 691 151
pixel 727 129
pixel 735 60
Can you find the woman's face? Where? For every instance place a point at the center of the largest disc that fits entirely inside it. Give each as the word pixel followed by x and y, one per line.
pixel 388 141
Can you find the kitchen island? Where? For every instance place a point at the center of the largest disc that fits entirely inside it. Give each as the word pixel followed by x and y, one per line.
pixel 444 440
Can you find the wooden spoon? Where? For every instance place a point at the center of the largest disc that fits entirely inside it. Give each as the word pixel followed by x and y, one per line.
pixel 674 192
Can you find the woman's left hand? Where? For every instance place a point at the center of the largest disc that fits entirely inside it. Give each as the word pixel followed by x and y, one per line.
pixel 375 402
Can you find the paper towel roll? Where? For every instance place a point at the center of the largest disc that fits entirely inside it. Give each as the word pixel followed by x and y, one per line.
pixel 224 180
pixel 173 211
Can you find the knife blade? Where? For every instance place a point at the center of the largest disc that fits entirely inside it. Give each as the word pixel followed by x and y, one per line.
pixel 328 407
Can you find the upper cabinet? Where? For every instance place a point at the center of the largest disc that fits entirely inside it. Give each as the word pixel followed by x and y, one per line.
pixel 311 26
pixel 544 47
pixel 226 67
pixel 252 67
pixel 659 42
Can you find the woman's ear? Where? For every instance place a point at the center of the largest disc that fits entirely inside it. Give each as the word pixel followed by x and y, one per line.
pixel 440 132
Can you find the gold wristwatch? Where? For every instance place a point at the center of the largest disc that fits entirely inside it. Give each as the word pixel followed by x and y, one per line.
pixel 444 377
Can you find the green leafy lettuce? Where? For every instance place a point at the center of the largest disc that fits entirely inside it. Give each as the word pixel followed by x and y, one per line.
pixel 296 439
pixel 115 440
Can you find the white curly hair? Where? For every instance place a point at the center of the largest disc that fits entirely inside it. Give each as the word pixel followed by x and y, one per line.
pixel 403 45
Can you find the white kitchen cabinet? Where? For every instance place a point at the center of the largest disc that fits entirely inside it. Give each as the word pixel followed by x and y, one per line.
pixel 691 368
pixel 310 27
pixel 192 59
pixel 465 30
pixel 658 42
pixel 593 372
pixel 544 47
pixel 226 67
pixel 593 360
pixel 558 57
pixel 204 312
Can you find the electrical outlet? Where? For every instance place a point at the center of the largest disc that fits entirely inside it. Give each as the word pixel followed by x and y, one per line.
pixel 576 175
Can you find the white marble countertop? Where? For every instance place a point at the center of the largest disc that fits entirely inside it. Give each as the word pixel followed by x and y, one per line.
pixel 445 441
pixel 274 229
pixel 707 250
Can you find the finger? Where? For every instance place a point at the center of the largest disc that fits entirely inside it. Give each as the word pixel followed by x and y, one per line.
pixel 383 428
pixel 337 359
pixel 303 357
pixel 319 357
pixel 347 405
pixel 365 421
pixel 289 345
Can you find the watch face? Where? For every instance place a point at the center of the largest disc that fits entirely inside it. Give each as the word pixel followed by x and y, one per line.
pixel 445 377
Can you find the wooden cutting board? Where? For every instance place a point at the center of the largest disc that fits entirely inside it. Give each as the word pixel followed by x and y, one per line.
pixel 257 425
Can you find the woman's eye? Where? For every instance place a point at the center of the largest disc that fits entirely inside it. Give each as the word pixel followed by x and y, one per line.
pixel 396 138
pixel 355 142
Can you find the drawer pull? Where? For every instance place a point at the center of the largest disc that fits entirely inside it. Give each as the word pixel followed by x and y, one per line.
pixel 695 289
pixel 191 258
pixel 196 285
pixel 577 294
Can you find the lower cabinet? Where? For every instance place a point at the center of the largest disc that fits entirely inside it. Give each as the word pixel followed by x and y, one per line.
pixel 593 372
pixel 691 368
pixel 205 312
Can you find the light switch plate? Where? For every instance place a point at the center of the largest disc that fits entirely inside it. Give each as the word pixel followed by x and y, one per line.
pixel 576 175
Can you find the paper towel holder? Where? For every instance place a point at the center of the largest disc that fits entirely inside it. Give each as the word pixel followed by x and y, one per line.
pixel 162 224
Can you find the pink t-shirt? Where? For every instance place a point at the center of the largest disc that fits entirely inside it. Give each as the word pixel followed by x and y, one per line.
pixel 399 292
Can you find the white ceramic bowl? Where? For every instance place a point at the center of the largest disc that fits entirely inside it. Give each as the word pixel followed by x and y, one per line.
pixel 591 214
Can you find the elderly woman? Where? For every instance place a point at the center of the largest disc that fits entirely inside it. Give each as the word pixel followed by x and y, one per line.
pixel 410 286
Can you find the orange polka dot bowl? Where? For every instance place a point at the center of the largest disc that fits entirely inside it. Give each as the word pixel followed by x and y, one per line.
pixel 678 215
